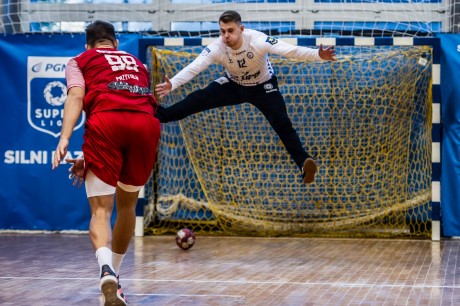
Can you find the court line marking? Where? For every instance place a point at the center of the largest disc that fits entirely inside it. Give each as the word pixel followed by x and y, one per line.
pixel 172 294
pixel 238 282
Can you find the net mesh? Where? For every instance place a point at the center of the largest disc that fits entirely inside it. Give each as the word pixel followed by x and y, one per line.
pixel 366 116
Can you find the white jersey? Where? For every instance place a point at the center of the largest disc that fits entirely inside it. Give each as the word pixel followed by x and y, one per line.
pixel 247 66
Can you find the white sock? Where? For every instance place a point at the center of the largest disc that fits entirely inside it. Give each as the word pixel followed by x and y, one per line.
pixel 117 259
pixel 104 257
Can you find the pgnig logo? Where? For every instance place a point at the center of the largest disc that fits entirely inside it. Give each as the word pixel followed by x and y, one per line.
pixel 47 93
pixel 47 67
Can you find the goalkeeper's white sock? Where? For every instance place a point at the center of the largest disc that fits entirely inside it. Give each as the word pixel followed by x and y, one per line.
pixel 117 259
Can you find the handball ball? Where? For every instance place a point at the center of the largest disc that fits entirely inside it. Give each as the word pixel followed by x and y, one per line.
pixel 185 238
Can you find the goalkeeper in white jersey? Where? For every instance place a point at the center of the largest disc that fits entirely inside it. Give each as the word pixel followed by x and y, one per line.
pixel 249 78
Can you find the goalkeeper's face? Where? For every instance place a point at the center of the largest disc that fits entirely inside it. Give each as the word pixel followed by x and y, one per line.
pixel 232 34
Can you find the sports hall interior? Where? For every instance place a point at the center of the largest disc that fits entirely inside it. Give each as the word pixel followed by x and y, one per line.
pixel 379 225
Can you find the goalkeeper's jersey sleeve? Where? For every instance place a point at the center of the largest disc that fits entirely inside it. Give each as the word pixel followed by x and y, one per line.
pixel 249 65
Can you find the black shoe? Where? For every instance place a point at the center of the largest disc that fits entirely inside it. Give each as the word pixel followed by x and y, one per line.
pixel 109 288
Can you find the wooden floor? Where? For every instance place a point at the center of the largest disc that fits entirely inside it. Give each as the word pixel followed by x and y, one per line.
pixel 56 270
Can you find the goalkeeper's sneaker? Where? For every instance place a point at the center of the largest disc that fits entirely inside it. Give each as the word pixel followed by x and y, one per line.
pixel 308 170
pixel 109 288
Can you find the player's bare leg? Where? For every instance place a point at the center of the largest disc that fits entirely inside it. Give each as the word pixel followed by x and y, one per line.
pixel 123 228
pixel 126 220
pixel 100 233
pixel 309 170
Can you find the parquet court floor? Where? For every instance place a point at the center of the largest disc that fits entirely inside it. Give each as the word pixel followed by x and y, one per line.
pixel 61 269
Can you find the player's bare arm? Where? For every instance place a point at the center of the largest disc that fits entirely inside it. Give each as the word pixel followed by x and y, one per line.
pixel 164 89
pixel 72 111
pixel 327 54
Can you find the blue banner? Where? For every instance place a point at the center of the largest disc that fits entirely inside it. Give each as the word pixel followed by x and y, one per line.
pixel 450 111
pixel 32 196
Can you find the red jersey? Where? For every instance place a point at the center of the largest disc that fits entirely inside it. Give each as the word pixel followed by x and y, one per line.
pixel 115 80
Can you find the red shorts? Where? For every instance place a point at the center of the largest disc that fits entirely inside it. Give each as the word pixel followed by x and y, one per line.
pixel 121 146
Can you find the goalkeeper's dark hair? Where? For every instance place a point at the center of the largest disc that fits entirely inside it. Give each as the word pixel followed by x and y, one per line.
pixel 100 31
pixel 230 16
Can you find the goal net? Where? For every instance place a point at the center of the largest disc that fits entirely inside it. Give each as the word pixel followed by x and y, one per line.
pixel 366 116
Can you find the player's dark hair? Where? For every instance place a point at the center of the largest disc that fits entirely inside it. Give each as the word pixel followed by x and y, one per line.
pixel 100 31
pixel 230 16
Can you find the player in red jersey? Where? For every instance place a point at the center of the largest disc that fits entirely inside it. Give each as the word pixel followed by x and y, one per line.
pixel 120 142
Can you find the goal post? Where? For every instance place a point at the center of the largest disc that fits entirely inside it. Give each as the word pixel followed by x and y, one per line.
pixel 372 117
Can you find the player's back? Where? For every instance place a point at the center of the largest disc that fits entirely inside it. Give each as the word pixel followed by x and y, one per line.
pixel 115 80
